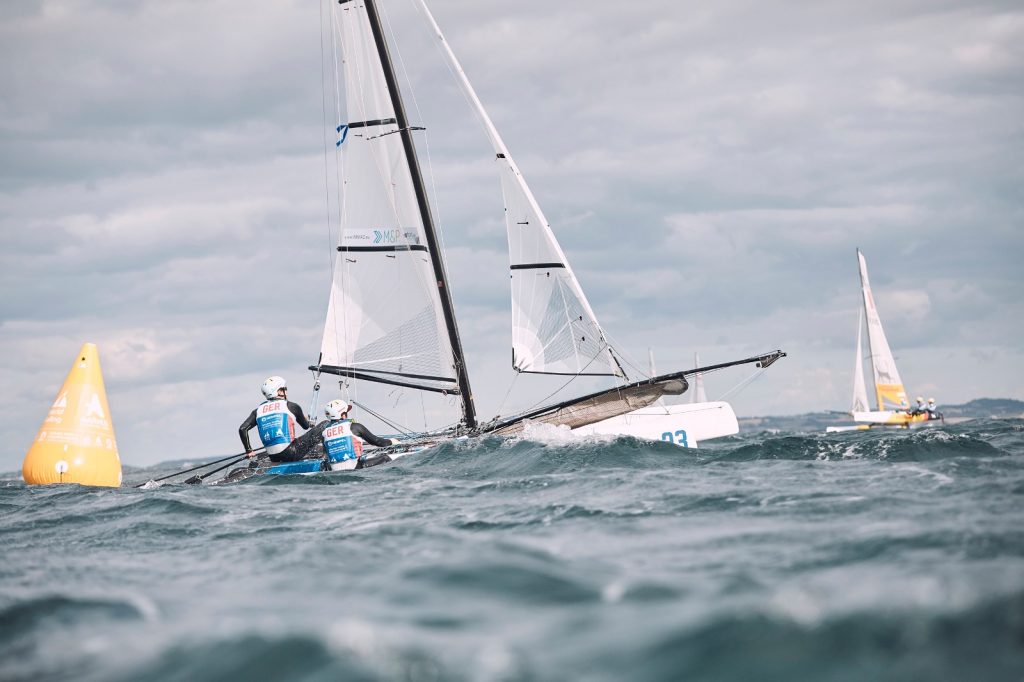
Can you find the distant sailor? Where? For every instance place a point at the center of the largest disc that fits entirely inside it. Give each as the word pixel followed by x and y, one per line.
pixel 919 408
pixel 933 409
pixel 275 418
pixel 343 439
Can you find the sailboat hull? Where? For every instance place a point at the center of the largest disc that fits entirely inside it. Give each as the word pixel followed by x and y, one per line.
pixel 682 425
pixel 375 457
pixel 891 418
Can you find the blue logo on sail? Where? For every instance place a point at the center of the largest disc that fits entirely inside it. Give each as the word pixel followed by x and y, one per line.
pixel 343 132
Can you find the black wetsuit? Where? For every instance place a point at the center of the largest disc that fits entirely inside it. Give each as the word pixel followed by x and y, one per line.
pixel 311 446
pixel 250 423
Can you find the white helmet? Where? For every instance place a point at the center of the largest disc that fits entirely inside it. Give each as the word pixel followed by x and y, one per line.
pixel 272 385
pixel 920 399
pixel 336 408
pixel 931 400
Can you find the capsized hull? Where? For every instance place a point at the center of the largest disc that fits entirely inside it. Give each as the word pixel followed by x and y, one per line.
pixel 683 425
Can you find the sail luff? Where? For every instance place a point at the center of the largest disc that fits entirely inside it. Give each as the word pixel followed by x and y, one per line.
pixel 437 259
pixel 524 326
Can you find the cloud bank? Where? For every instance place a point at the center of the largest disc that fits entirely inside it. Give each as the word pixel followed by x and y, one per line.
pixel 709 171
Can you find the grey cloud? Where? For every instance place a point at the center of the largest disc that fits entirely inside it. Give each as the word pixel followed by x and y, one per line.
pixel 707 169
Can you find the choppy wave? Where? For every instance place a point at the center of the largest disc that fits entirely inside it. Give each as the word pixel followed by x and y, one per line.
pixel 858 555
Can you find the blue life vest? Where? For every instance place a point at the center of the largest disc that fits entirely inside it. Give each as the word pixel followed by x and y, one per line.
pixel 276 425
pixel 340 444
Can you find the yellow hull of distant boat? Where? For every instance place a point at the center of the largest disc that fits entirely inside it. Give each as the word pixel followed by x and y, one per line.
pixel 890 418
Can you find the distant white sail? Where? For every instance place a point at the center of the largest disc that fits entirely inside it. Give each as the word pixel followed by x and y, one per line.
pixel 699 396
pixel 860 393
pixel 888 386
pixel 554 329
pixel 384 315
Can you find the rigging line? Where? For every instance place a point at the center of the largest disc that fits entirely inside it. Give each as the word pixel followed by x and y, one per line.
pixel 562 387
pixel 327 182
pixel 366 409
pixel 743 383
pixel 339 174
pixel 423 406
pixel 614 345
pixel 511 385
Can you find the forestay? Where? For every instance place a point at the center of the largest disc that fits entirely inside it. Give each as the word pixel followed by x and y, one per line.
pixel 554 330
pixel 888 385
pixel 384 318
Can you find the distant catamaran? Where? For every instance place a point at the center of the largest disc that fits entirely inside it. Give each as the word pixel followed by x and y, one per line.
pixel 890 395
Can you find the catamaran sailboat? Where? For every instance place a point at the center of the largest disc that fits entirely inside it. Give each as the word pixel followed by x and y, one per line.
pixel 390 318
pixel 890 395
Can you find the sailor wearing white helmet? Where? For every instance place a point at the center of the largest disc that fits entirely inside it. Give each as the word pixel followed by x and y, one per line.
pixel 343 439
pixel 275 418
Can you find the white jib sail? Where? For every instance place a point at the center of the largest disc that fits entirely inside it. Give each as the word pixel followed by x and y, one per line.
pixel 699 396
pixel 384 314
pixel 888 385
pixel 554 329
pixel 860 393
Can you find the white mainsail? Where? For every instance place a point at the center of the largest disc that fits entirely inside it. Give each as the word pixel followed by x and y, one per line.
pixel 554 329
pixel 860 393
pixel 384 315
pixel 699 396
pixel 889 389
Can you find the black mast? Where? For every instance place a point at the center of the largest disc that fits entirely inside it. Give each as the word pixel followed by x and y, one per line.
pixel 468 410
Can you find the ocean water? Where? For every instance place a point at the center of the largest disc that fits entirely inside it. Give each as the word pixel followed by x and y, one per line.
pixel 853 556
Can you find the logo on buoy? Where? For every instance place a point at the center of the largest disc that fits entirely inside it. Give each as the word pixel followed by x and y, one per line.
pixel 95 409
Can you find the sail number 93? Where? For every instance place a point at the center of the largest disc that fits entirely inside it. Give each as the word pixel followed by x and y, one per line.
pixel 678 438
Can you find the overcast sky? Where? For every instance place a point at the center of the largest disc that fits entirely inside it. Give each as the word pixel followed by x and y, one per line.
pixel 709 169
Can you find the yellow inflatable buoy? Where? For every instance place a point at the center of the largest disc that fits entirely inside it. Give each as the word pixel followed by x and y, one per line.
pixel 76 442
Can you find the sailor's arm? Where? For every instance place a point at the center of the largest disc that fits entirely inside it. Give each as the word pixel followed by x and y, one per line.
pixel 300 417
pixel 243 430
pixel 364 433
